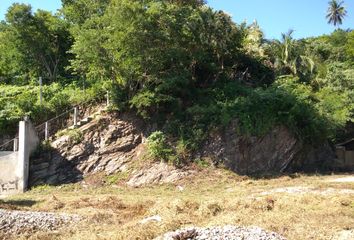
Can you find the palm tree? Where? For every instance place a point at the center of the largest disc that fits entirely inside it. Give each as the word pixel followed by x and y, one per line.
pixel 336 12
pixel 290 56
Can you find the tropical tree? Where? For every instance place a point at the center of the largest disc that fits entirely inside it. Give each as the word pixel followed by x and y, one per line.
pixel 253 40
pixel 290 58
pixel 336 12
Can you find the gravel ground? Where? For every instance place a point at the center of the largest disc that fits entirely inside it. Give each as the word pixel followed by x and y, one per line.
pixel 21 222
pixel 221 233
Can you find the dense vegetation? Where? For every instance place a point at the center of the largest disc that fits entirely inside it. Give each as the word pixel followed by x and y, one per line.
pixel 179 63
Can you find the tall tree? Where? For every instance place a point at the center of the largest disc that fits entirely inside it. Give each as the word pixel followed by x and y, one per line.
pixel 336 12
pixel 12 68
pixel 78 11
pixel 159 51
pixel 42 38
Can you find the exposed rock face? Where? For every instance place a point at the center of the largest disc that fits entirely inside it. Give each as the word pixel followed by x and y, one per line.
pixel 157 173
pixel 276 152
pixel 110 143
pixel 107 145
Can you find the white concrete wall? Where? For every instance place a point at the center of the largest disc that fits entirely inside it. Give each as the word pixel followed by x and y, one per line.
pixel 14 166
pixel 28 141
pixel 9 180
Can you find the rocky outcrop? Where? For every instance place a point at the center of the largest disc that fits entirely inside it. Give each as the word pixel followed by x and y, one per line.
pixel 275 152
pixel 105 145
pixel 110 143
pixel 158 173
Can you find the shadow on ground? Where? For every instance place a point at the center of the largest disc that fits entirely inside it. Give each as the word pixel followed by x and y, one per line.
pixel 16 204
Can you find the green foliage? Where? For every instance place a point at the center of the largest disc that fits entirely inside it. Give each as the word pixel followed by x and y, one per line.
pixel 178 63
pixel 34 44
pixel 115 178
pixel 75 136
pixel 350 46
pixel 17 102
pixel 158 147
pixel 320 113
pixel 202 163
pixel 78 11
pixel 336 12
pixel 159 53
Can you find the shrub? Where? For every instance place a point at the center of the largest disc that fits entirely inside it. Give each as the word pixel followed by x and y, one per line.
pixel 75 136
pixel 158 147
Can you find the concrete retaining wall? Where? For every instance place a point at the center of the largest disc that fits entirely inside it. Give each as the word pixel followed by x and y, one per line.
pixel 14 166
pixel 8 178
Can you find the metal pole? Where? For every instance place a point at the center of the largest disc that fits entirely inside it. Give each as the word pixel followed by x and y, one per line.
pixel 15 144
pixel 46 131
pixel 75 116
pixel 107 98
pixel 40 90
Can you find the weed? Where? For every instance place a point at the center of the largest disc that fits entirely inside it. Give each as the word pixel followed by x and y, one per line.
pixel 115 178
pixel 75 135
pixel 202 162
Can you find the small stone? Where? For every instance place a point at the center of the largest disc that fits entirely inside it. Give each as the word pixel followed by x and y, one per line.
pixel 151 219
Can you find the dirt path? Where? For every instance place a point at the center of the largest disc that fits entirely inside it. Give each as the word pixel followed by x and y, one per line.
pixel 349 179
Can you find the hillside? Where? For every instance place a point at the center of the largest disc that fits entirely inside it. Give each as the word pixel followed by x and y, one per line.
pixel 162 115
pixel 188 78
pixel 122 143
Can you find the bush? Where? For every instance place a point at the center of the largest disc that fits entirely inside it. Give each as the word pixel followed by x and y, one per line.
pixel 158 147
pixel 75 136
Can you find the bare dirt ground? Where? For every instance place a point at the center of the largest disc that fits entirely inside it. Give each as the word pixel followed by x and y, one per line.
pixel 298 207
pixel 349 179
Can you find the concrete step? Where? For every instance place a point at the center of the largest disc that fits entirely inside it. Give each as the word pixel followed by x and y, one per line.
pixel 85 121
pixel 99 112
pixel 88 119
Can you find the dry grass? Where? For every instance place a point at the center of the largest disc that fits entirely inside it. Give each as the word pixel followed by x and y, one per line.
pixel 212 197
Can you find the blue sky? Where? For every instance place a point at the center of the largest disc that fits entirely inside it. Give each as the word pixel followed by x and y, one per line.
pixel 306 17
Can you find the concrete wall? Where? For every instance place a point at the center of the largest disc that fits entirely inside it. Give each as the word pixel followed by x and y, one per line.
pixel 14 166
pixel 8 179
